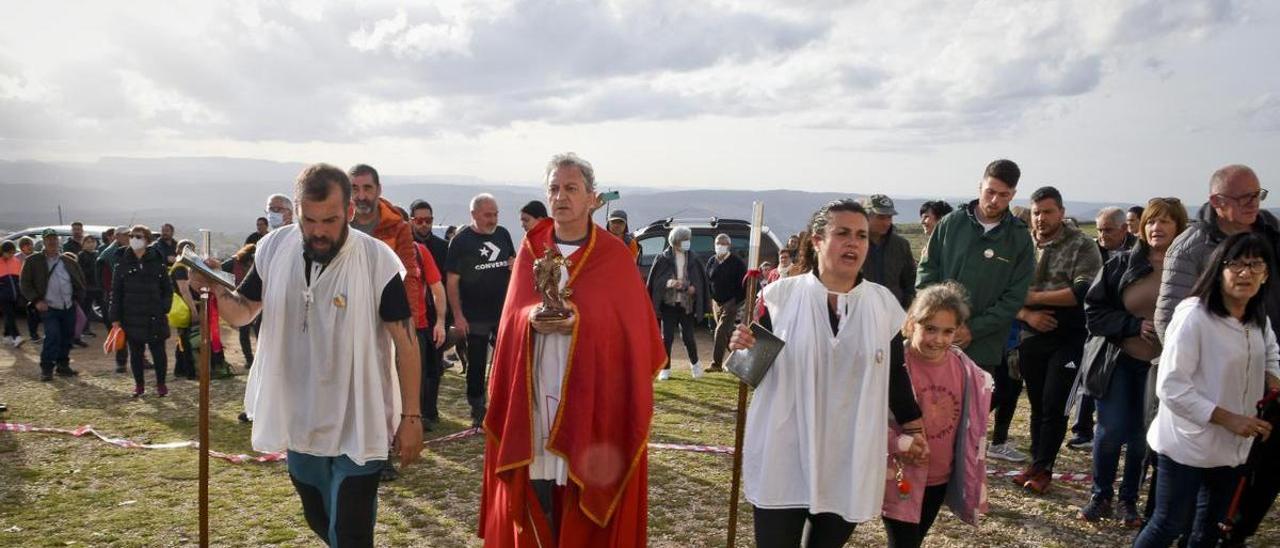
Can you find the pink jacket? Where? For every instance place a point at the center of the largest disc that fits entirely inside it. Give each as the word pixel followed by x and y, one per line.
pixel 967 488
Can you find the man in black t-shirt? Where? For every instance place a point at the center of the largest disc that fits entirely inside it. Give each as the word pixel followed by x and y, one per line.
pixel 477 269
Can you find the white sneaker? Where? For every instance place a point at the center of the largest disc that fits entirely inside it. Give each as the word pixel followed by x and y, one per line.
pixel 18 340
pixel 696 369
pixel 1005 451
pixel 664 374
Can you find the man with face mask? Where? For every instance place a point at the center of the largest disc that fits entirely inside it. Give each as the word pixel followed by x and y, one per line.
pixel 477 269
pixel 726 271
pixel 1052 343
pixel 279 211
pixel 988 251
pixel 572 398
pixel 678 287
pixel 336 378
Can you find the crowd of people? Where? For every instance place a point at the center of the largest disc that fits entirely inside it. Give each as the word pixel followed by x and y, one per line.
pixel 900 376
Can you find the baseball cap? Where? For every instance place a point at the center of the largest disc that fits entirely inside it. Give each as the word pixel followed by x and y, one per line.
pixel 618 215
pixel 48 232
pixel 879 204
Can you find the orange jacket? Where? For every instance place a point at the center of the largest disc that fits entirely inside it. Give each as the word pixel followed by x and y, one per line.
pixel 396 233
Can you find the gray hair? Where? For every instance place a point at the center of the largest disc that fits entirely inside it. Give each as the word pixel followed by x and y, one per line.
pixel 679 234
pixel 725 236
pixel 1225 174
pixel 568 159
pixel 482 198
pixel 287 202
pixel 1113 214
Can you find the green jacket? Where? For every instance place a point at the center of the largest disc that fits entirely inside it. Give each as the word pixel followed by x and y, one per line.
pixel 995 267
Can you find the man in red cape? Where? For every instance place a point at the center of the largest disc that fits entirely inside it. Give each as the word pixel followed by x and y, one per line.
pixel 597 436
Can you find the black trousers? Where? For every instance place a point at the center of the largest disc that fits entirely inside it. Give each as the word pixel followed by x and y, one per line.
pixel 1049 364
pixel 432 358
pixel 246 345
pixel 138 363
pixel 673 317
pixel 479 338
pixel 1004 399
pixel 184 361
pixel 9 309
pixel 911 535
pixel 783 528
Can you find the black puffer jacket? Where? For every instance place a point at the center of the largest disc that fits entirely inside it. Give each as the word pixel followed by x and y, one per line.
pixel 141 295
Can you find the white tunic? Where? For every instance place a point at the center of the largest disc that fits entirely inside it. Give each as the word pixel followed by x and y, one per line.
pixel 323 380
pixel 816 426
pixel 550 360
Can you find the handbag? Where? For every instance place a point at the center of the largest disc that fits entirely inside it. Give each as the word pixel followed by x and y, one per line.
pixel 179 313
pixel 1099 362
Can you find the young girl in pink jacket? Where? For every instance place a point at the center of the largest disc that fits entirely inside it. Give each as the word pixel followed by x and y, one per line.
pixel 955 396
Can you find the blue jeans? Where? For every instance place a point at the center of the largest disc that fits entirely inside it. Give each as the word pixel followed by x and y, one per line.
pixel 1120 425
pixel 339 497
pixel 59 327
pixel 1188 500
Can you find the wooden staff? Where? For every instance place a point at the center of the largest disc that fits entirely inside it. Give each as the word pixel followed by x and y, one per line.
pixel 753 286
pixel 206 354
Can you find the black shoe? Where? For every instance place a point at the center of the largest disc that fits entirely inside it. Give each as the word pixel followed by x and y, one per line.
pixel 35 338
pixel 244 417
pixel 120 369
pixel 66 371
pixel 1129 513
pixel 1098 509
pixel 46 376
pixel 1080 443
pixel 3 408
pixel 389 472
pixel 80 343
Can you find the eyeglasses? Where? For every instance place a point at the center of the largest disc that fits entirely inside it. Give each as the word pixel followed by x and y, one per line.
pixel 1238 267
pixel 1247 199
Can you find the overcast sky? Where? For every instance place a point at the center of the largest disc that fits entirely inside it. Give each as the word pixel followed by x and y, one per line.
pixel 1108 100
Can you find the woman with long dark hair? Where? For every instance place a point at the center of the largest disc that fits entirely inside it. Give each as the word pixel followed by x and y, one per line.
pixel 1220 354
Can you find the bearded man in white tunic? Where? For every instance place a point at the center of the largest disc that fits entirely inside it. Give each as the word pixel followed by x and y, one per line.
pixel 335 381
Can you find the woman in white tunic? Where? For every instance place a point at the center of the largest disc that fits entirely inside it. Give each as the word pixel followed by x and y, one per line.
pixel 816 428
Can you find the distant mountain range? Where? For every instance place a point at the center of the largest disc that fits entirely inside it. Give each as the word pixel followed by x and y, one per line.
pixel 226 195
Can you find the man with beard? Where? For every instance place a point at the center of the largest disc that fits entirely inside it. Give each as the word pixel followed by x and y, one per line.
pixel 565 456
pixel 324 387
pixel 377 217
pixel 166 244
pixel 986 249
pixel 1052 342
pixel 477 270
pixel 431 323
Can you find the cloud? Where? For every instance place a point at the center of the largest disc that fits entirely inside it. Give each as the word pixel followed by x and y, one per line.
pixel 1263 113
pixel 903 72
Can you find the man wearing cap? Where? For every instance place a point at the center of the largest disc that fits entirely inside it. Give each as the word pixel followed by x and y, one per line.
pixel 618 227
pixel 889 259
pixel 53 283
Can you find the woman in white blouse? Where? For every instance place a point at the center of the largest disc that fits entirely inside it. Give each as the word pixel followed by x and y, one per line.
pixel 1220 354
pixel 815 445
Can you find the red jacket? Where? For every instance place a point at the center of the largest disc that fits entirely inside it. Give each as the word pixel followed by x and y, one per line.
pixel 396 233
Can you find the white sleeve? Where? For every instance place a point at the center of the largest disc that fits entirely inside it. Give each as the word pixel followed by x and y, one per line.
pixel 1179 362
pixel 1273 350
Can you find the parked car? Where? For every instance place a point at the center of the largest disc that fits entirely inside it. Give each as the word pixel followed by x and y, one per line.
pixel 64 232
pixel 653 239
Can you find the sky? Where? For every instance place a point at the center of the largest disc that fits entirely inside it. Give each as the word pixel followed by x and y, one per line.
pixel 1107 100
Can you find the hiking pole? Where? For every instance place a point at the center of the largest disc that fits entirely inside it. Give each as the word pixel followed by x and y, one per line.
pixel 753 285
pixel 1255 454
pixel 206 340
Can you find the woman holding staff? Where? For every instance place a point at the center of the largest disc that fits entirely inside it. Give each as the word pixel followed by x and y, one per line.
pixel 816 427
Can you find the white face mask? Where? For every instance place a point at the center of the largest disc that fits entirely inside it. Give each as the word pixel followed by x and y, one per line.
pixel 722 249
pixel 137 244
pixel 275 219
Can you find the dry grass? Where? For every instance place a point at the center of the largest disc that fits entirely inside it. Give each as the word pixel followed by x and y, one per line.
pixel 60 491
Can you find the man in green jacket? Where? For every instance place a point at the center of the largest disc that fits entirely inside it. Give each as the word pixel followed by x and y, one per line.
pixel 987 250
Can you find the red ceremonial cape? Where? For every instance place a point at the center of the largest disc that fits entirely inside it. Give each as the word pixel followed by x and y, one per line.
pixel 602 426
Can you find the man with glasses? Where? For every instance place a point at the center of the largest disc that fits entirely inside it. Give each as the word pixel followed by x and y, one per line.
pixel 1234 206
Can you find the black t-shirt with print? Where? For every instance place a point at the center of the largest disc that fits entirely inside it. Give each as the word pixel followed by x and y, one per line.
pixel 483 265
